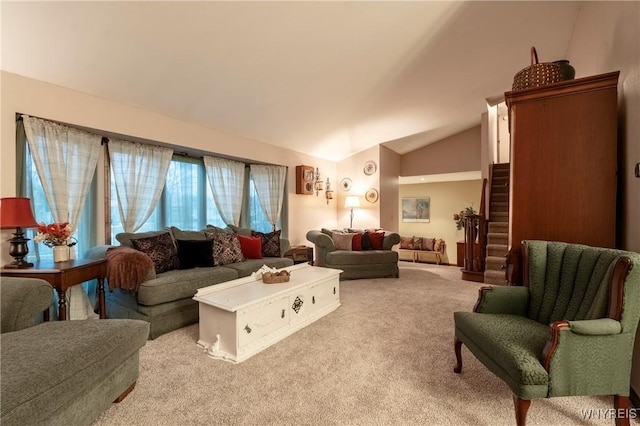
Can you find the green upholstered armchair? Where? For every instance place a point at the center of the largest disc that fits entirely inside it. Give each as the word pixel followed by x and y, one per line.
pixel 569 330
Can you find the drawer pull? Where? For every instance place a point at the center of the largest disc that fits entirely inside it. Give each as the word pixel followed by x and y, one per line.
pixel 247 328
pixel 334 290
pixel 313 299
pixel 282 316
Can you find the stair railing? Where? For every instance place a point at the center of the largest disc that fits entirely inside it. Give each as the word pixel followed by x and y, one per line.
pixel 475 239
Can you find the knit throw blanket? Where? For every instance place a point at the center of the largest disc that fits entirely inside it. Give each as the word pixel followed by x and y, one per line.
pixel 127 268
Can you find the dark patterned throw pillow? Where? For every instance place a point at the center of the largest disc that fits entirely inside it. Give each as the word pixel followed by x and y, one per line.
pixel 226 249
pixel 270 243
pixel 161 250
pixel 406 243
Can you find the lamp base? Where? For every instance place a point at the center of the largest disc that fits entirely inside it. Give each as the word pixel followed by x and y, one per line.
pixel 18 265
pixel 18 250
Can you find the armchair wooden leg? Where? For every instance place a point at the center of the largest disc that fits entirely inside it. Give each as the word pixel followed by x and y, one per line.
pixel 521 406
pixel 621 404
pixel 124 394
pixel 457 347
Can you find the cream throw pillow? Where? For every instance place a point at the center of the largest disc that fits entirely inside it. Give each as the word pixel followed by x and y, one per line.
pixel 342 241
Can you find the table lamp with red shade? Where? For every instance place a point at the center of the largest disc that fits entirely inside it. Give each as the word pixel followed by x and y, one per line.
pixel 15 212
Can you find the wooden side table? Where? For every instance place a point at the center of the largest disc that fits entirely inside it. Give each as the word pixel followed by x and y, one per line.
pixel 63 275
pixel 300 254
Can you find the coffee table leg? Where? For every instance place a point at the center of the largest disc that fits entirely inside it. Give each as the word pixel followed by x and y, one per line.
pixel 102 306
pixel 62 306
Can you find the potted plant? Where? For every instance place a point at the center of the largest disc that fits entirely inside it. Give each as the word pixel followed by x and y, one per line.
pixel 459 217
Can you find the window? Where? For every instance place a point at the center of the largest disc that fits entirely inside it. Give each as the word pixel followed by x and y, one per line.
pixel 42 213
pixel 186 202
pixel 257 219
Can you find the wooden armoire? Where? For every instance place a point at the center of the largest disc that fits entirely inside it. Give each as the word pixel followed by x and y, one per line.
pixel 563 178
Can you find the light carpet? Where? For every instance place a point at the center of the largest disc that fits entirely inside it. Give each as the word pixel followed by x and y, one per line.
pixel 385 357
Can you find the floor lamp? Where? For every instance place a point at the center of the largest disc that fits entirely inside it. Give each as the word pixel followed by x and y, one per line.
pixel 351 202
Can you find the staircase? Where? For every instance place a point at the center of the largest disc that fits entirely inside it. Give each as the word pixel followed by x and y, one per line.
pixel 498 230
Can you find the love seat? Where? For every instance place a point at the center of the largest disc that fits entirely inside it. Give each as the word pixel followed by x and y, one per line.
pixel 336 249
pixel 61 372
pixel 165 299
pixel 569 330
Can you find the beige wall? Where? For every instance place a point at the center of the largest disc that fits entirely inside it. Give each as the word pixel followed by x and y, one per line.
pixel 368 215
pixel 24 95
pixel 446 199
pixel 389 192
pixel 457 153
pixel 606 38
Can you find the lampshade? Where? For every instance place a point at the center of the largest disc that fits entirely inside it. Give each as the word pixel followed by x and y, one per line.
pixel 15 212
pixel 352 201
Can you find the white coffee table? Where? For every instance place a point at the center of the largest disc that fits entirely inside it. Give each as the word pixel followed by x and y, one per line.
pixel 240 318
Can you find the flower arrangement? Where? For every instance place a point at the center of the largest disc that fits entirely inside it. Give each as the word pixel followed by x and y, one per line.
pixel 55 234
pixel 459 217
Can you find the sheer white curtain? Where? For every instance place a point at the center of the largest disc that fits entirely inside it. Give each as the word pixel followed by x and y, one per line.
pixel 65 159
pixel 139 172
pixel 226 178
pixel 269 182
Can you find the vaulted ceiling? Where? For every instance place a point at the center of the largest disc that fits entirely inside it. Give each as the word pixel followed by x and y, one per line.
pixel 325 78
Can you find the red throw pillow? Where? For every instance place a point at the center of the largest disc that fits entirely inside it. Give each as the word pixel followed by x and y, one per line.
pixel 356 243
pixel 251 247
pixel 376 239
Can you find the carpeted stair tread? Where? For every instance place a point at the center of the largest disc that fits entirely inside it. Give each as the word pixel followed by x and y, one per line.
pixel 497 238
pixel 498 227
pixel 495 262
pixel 494 277
pixel 499 207
pixel 497 250
pixel 500 217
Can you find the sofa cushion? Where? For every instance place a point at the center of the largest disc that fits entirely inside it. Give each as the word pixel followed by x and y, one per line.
pixel 246 268
pixel 217 230
pixel 47 366
pixel 343 241
pixel 181 284
pixel 513 342
pixel 369 257
pixel 179 234
pixel 195 253
pixel 240 231
pixel 161 249
pixel 226 249
pixel 251 247
pixel 270 243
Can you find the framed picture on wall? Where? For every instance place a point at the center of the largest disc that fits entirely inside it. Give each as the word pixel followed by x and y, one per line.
pixel 416 209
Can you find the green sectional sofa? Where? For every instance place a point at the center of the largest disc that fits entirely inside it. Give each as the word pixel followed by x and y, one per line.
pixel 165 299
pixel 61 372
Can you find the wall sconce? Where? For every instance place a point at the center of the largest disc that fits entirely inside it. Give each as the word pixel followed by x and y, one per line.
pixel 329 192
pixel 351 202
pixel 15 212
pixel 318 184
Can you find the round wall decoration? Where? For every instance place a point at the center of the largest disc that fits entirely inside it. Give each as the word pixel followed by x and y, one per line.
pixel 371 195
pixel 345 184
pixel 370 168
